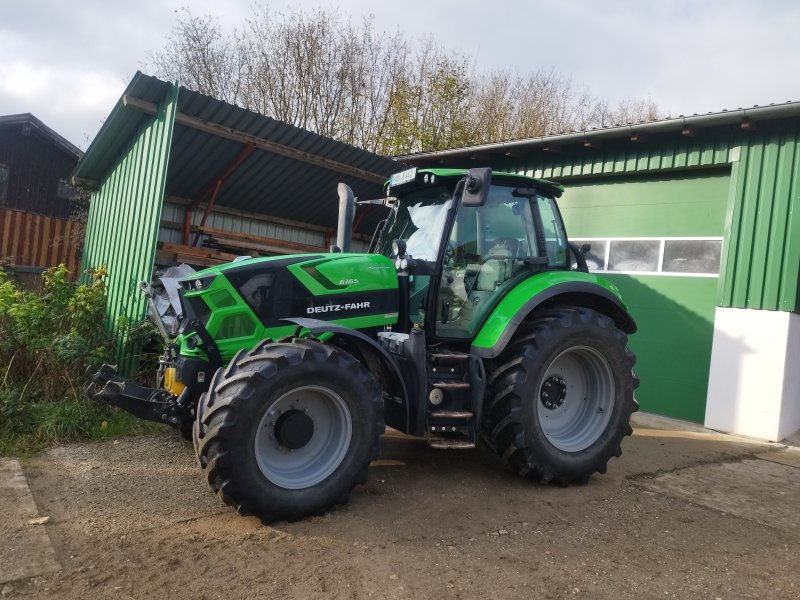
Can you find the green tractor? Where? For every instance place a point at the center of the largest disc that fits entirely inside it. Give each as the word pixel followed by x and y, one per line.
pixel 471 318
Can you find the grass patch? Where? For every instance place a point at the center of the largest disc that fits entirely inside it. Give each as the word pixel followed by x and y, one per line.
pixel 39 425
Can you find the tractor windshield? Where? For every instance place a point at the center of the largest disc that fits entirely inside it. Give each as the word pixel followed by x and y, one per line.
pixel 419 218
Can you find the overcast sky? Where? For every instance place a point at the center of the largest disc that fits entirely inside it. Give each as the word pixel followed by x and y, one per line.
pixel 68 62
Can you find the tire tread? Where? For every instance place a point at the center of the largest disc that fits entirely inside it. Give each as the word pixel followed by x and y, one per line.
pixel 504 423
pixel 234 387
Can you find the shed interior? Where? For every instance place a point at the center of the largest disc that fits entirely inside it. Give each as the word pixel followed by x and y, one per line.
pixel 182 177
pixel 237 182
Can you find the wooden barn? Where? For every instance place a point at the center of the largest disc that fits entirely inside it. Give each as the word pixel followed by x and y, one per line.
pixel 39 210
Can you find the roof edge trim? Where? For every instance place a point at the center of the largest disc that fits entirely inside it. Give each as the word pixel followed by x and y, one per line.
pixel 756 113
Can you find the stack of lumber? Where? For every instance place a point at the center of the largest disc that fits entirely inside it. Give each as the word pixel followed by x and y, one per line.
pixel 254 245
pixel 192 255
pixel 227 245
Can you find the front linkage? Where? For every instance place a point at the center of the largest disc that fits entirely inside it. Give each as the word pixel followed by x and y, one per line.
pixel 146 403
pixel 173 402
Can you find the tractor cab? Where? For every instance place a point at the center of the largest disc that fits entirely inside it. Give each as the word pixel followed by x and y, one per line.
pixel 465 250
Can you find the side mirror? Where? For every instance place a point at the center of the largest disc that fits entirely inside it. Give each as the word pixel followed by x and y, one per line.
pixel 477 187
pixel 399 248
pixel 402 262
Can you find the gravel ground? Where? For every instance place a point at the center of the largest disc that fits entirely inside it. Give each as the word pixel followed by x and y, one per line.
pixel 680 515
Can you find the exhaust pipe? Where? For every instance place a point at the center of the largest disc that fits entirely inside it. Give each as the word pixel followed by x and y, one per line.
pixel 347 209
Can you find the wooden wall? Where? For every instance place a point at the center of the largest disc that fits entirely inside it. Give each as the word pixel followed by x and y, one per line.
pixel 34 240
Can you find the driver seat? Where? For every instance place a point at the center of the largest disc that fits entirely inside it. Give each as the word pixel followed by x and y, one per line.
pixel 498 265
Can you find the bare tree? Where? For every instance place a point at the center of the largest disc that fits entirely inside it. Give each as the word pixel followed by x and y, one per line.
pixel 202 57
pixel 626 112
pixel 375 90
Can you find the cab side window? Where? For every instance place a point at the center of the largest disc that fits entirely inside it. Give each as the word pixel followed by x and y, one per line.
pixel 555 238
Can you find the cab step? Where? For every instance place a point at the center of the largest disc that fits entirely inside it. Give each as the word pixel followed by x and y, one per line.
pixel 451 423
pixel 449 356
pixel 451 414
pixel 450 385
pixel 451 444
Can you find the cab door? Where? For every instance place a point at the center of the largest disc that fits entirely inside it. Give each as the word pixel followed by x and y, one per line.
pixel 490 248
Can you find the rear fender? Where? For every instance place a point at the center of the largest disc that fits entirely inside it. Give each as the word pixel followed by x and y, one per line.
pixel 374 358
pixel 547 290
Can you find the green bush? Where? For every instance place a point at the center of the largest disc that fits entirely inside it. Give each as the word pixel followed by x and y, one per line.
pixel 47 340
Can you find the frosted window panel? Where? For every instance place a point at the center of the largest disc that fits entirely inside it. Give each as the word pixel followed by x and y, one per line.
pixel 634 255
pixel 692 256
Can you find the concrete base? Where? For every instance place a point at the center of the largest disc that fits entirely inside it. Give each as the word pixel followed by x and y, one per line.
pixel 754 381
pixel 746 489
pixel 26 550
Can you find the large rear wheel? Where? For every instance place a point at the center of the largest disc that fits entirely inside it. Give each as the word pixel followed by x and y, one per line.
pixel 561 397
pixel 288 429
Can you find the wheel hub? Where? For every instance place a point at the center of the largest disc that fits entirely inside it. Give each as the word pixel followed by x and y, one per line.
pixel 294 429
pixel 553 392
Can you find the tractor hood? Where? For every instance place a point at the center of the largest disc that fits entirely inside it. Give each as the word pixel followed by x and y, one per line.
pixel 254 297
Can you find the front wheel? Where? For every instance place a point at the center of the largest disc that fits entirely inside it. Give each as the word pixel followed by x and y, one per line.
pixel 288 429
pixel 561 397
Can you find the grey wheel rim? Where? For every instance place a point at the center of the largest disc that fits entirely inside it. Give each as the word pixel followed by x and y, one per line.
pixel 575 398
pixel 305 466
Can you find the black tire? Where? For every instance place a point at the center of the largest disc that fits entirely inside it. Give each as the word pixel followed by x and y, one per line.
pixel 560 397
pixel 288 429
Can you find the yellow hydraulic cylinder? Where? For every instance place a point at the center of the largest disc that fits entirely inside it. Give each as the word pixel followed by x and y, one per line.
pixel 171 382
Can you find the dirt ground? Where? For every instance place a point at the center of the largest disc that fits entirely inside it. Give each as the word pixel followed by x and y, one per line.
pixel 680 515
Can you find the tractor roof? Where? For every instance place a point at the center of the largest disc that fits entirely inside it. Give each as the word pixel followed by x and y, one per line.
pixel 552 187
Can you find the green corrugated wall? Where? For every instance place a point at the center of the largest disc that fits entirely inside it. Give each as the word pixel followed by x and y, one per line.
pixel 124 216
pixel 761 259
pixel 674 152
pixel 736 177
pixel 761 256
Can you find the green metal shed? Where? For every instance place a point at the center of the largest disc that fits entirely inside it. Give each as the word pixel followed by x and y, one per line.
pixel 171 168
pixel 697 220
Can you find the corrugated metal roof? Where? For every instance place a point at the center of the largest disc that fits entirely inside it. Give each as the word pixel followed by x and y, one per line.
pixel 741 116
pixel 265 183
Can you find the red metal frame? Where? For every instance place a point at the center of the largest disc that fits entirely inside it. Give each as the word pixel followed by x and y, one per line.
pixel 213 191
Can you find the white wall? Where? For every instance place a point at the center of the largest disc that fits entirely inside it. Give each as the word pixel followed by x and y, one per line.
pixel 754 381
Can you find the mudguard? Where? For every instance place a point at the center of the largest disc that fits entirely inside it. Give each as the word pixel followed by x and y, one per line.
pixel 557 287
pixel 368 347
